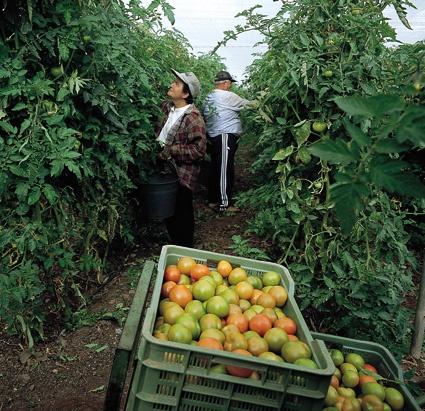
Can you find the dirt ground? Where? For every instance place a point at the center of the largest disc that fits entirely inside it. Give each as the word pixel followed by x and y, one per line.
pixel 71 372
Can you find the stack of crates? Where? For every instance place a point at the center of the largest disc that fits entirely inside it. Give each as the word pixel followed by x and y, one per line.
pixel 380 357
pixel 171 376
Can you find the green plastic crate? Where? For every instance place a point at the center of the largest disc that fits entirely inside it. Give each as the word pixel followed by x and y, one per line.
pixel 378 356
pixel 171 376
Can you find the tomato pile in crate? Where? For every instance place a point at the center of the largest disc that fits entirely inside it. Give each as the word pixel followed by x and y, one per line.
pixel 225 333
pixel 367 378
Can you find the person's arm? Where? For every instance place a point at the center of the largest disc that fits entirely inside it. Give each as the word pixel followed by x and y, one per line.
pixel 195 147
pixel 161 120
pixel 235 102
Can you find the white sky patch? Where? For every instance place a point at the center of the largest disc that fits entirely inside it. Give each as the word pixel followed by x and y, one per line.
pixel 203 24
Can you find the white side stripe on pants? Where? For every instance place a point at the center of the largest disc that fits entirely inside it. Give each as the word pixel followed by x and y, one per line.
pixel 223 172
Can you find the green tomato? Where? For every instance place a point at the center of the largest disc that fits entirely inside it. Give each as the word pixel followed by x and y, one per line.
pixel 417 86
pixel 328 73
pixel 319 126
pixel 86 38
pixel 56 71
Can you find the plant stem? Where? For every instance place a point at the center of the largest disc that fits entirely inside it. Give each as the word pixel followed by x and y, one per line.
pixel 291 244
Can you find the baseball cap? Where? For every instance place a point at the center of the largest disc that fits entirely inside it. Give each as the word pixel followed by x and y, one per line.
pixel 190 80
pixel 224 75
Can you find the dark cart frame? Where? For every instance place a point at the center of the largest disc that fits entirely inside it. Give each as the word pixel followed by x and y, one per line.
pixel 127 347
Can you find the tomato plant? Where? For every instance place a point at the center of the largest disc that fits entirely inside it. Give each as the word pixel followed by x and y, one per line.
pixel 350 254
pixel 81 83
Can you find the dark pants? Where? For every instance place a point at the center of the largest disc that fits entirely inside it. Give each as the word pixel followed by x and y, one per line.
pixel 222 148
pixel 181 225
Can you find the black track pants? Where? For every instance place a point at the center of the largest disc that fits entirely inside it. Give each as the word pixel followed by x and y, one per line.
pixel 181 225
pixel 223 148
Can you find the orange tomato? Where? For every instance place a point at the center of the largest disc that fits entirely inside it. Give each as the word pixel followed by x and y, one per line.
pixel 210 343
pixel 260 323
pixel 266 300
pixel 199 270
pixel 279 294
pixel 244 289
pixel 224 268
pixel 292 337
pixel 287 324
pixel 172 273
pixel 334 381
pixel 370 367
pixel 166 288
pixel 180 295
pixel 254 297
pixel 239 320
pixel 363 379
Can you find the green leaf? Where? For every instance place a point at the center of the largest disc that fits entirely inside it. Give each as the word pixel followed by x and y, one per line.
pixel 412 126
pixel 98 389
pixel 71 154
pixel 402 13
pixel 50 193
pixel 168 12
pixel 22 190
pixel 302 133
pixel 282 154
pixel 19 106
pixel 390 146
pixel 29 7
pixel 329 282
pixel 336 152
pixel 304 39
pixel 390 174
pixel 73 168
pixel 96 347
pixel 370 106
pixel 294 207
pixel 348 202
pixel 8 128
pixel 356 134
pixel 62 93
pixel 319 40
pixel 34 196
pixel 57 167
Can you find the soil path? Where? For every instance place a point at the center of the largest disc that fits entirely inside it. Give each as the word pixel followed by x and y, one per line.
pixel 71 372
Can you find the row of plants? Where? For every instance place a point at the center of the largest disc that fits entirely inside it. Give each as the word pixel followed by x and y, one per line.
pixel 81 84
pixel 339 161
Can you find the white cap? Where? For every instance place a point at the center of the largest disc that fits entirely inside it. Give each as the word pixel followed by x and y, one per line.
pixel 190 80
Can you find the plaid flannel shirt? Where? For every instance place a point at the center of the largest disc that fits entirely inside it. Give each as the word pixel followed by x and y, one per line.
pixel 186 144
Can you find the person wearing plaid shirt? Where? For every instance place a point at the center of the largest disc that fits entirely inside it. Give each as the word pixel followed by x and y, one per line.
pixel 182 135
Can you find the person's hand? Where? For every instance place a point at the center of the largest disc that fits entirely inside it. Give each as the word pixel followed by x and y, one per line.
pixel 164 154
pixel 253 104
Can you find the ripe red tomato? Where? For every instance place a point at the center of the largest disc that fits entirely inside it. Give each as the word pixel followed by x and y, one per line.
pixel 260 323
pixel 239 371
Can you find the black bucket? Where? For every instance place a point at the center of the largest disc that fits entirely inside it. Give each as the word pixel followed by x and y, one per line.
pixel 159 196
